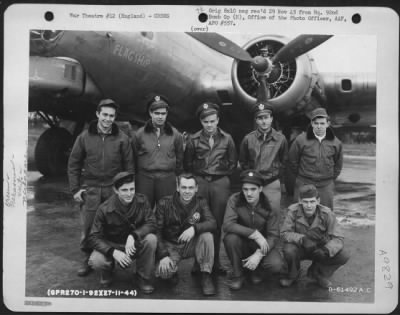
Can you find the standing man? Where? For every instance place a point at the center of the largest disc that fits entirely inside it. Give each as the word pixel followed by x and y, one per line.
pixel 309 232
pixel 185 226
pixel 316 157
pixel 159 152
pixel 266 151
pixel 211 155
pixel 99 153
pixel 123 231
pixel 252 231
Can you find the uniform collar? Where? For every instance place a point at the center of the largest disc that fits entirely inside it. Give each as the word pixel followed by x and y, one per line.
pixel 329 135
pixel 93 129
pixel 167 128
pixel 272 133
pixel 102 132
pixel 116 204
pixel 218 133
pixel 301 217
pixel 320 138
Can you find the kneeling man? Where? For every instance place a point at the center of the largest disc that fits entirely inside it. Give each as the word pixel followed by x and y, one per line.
pixel 123 232
pixel 309 232
pixel 252 231
pixel 185 226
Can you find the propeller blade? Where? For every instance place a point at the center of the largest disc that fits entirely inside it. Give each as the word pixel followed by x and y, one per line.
pixel 222 45
pixel 298 46
pixel 263 93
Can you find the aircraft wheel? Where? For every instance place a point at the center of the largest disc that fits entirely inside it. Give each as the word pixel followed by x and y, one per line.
pixel 52 151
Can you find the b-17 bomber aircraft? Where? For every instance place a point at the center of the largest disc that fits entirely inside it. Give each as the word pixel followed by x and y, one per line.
pixel 70 71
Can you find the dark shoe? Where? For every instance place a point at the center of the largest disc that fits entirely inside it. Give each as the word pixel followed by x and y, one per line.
pixel 219 270
pixel 146 286
pixel 85 269
pixel 105 278
pixel 173 281
pixel 195 269
pixel 323 282
pixel 207 284
pixel 286 282
pixel 236 283
pixel 256 277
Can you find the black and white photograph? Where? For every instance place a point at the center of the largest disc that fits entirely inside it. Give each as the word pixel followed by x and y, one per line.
pixel 235 158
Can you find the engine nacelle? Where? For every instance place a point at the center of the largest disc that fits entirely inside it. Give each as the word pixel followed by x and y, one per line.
pixel 290 83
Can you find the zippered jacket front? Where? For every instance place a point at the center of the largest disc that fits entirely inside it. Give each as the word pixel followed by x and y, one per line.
pixel 242 219
pixel 95 158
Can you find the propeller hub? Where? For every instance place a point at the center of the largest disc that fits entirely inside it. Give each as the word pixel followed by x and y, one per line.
pixel 260 64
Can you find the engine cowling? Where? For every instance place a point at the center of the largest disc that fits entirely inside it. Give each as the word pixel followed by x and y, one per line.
pixel 290 83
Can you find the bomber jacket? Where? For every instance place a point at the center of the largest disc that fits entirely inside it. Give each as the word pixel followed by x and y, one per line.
pixel 158 154
pixel 268 156
pixel 113 223
pixel 95 159
pixel 173 218
pixel 243 219
pixel 200 159
pixel 295 226
pixel 314 160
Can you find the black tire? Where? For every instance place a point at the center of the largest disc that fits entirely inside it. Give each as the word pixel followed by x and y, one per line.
pixel 52 151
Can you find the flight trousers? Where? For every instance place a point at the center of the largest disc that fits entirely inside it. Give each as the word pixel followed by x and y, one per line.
pixel 217 193
pixel 155 185
pixel 273 193
pixel 145 258
pixel 201 247
pixel 93 197
pixel 238 248
pixel 294 254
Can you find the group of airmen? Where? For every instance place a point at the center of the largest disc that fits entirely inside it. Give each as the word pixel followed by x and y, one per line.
pixel 150 199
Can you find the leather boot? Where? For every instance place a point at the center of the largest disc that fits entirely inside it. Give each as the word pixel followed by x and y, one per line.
pixel 84 269
pixel 206 284
pixel 256 277
pixel 105 278
pixel 195 269
pixel 145 285
pixel 286 282
pixel 236 283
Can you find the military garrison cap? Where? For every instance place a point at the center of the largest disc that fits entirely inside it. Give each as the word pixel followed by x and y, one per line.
pixel 252 177
pixel 207 109
pixel 107 103
pixel 318 112
pixel 308 191
pixel 262 108
pixel 157 102
pixel 121 177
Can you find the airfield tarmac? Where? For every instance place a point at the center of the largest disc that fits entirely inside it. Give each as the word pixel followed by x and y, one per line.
pixel 53 257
